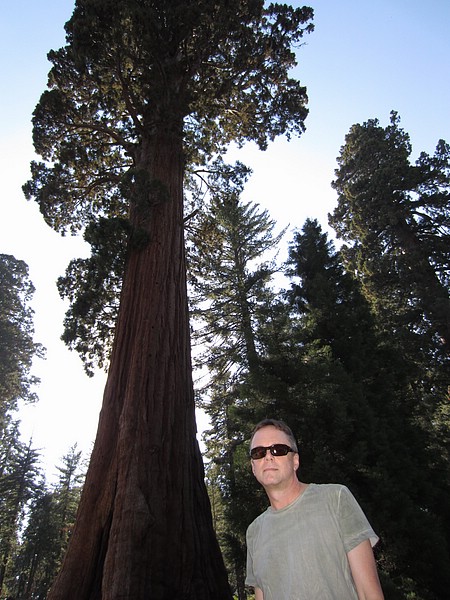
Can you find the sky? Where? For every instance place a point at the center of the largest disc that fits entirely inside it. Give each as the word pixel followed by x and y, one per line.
pixel 364 59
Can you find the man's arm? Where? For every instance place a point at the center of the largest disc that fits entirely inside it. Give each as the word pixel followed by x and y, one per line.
pixel 364 572
pixel 258 594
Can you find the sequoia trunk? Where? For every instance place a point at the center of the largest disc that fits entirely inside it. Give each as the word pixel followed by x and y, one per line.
pixel 144 527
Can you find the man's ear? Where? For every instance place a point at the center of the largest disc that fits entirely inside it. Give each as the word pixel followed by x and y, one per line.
pixel 296 461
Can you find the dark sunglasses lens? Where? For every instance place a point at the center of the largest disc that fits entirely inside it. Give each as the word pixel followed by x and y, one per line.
pixel 279 449
pixel 258 452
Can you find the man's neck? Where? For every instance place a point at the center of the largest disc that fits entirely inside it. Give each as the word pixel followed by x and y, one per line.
pixel 279 498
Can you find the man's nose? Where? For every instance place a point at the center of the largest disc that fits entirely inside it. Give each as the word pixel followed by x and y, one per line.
pixel 268 454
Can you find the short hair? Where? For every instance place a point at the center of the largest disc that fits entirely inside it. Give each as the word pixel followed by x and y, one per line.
pixel 281 425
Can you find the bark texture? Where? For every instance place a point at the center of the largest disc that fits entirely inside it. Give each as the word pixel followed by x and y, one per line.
pixel 144 527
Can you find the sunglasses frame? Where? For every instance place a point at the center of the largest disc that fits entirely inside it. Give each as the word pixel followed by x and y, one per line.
pixel 273 449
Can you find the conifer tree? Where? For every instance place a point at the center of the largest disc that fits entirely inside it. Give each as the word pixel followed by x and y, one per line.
pixel 18 462
pixel 230 267
pixel 17 348
pixel 36 560
pixel 141 90
pixel 50 521
pixel 395 218
pixel 17 486
pixel 67 493
pixel 326 345
pixel 349 399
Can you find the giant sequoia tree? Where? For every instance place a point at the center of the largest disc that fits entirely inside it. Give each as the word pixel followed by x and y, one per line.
pixel 141 89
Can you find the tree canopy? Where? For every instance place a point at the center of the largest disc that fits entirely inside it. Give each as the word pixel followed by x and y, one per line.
pixel 211 73
pixel 395 217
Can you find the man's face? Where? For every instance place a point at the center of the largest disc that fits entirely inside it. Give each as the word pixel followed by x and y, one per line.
pixel 274 471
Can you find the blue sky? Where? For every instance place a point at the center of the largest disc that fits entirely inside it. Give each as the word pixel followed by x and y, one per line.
pixel 363 60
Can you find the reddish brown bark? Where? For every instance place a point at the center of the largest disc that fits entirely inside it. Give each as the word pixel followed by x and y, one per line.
pixel 144 527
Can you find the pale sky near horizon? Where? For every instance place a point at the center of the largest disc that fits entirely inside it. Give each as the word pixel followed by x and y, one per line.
pixel 364 59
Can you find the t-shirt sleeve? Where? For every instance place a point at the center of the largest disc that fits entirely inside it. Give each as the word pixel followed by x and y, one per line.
pixel 355 528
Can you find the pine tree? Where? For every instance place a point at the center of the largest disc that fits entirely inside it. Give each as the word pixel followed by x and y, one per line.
pixel 140 90
pixel 230 268
pixel 349 399
pixel 50 520
pixel 17 486
pixel 394 218
pixel 67 493
pixel 18 462
pixel 36 560
pixel 327 344
pixel 229 271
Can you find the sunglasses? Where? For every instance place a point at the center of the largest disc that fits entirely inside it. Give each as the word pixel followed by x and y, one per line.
pixel 275 450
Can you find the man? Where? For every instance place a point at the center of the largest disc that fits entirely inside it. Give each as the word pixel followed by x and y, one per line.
pixel 314 541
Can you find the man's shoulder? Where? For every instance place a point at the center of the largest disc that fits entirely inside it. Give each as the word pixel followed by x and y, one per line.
pixel 329 489
pixel 328 493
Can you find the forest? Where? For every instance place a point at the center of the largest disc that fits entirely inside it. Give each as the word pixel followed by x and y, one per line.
pixel 185 302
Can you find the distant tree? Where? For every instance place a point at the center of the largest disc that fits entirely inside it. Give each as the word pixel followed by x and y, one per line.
pixel 36 559
pixel 17 486
pixel 395 220
pixel 230 267
pixel 18 461
pixel 67 493
pixel 318 361
pixel 17 346
pixel 50 520
pixel 140 90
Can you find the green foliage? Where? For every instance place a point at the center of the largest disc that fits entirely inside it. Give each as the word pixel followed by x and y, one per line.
pixel 17 348
pixel 358 420
pixel 17 486
pixel 93 287
pixel 45 530
pixel 29 555
pixel 229 274
pixel 328 368
pixel 129 74
pixel 127 71
pixel 37 558
pixel 396 219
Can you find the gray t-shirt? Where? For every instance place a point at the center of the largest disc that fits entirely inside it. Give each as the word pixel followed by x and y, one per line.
pixel 300 551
